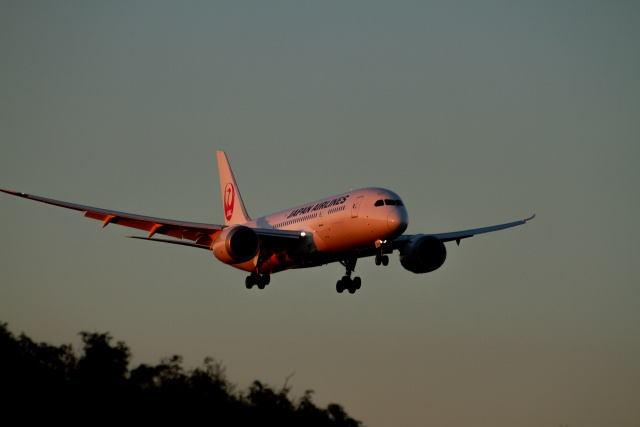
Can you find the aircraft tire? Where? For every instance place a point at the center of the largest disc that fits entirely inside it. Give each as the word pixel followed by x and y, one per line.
pixel 248 282
pixel 357 283
pixel 340 286
pixel 385 260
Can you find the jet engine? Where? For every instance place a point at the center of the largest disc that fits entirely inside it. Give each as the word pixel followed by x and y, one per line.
pixel 236 244
pixel 422 254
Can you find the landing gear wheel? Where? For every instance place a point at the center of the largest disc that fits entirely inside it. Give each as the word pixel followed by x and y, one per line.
pixel 346 282
pixel 382 259
pixel 248 282
pixel 256 279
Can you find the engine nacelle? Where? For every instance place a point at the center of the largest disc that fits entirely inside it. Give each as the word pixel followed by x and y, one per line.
pixel 236 244
pixel 423 254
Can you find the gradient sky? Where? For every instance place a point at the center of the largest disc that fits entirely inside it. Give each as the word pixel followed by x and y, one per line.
pixel 476 113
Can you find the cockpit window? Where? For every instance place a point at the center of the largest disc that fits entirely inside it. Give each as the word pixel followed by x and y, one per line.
pixel 388 202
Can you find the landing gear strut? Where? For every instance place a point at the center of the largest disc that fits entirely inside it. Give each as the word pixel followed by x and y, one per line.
pixel 257 279
pixel 352 285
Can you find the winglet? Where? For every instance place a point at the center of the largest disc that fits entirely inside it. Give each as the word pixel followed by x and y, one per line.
pixel 15 193
pixel 234 211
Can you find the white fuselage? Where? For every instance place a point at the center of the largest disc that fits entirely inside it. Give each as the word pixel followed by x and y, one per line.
pixel 342 223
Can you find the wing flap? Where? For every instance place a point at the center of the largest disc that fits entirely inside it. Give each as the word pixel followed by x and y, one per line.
pixel 174 242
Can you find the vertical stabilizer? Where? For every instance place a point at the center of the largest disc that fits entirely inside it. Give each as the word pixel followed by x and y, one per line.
pixel 234 211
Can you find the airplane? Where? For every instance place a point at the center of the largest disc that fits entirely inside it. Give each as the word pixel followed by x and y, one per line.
pixel 368 222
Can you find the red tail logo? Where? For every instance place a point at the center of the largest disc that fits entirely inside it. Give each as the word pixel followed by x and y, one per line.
pixel 229 196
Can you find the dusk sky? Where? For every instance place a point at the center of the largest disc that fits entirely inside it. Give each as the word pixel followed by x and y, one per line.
pixel 476 113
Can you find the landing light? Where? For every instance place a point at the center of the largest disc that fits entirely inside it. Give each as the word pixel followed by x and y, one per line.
pixel 380 242
pixel 303 234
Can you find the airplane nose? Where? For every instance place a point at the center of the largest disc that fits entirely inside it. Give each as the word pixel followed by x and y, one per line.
pixel 398 220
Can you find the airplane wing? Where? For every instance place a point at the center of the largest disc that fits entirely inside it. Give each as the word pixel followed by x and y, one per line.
pixel 459 235
pixel 201 234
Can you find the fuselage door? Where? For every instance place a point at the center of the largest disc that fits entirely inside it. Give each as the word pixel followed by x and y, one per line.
pixel 356 207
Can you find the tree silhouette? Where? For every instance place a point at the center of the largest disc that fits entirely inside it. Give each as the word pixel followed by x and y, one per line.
pixel 97 386
pixel 102 368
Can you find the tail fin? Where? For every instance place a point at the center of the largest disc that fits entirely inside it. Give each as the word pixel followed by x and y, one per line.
pixel 234 211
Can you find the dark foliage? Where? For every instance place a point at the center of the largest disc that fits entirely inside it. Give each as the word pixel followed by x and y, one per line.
pixel 43 382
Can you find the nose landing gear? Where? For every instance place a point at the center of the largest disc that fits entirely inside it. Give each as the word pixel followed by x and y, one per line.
pixel 385 248
pixel 382 259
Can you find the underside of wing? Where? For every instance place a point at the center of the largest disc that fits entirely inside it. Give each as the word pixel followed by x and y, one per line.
pixel 274 233
pixel 459 235
pixel 202 234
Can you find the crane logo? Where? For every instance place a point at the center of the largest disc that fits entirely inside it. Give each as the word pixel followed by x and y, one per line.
pixel 229 195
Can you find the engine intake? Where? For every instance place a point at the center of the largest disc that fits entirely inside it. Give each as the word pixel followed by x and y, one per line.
pixel 236 244
pixel 423 254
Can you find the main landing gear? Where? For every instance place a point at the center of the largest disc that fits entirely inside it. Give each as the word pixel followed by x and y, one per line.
pixel 346 283
pixel 256 279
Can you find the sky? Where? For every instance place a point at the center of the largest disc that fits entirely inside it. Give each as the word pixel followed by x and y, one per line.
pixel 476 113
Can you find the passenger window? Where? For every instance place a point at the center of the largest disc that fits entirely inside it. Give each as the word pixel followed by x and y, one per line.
pixel 378 203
